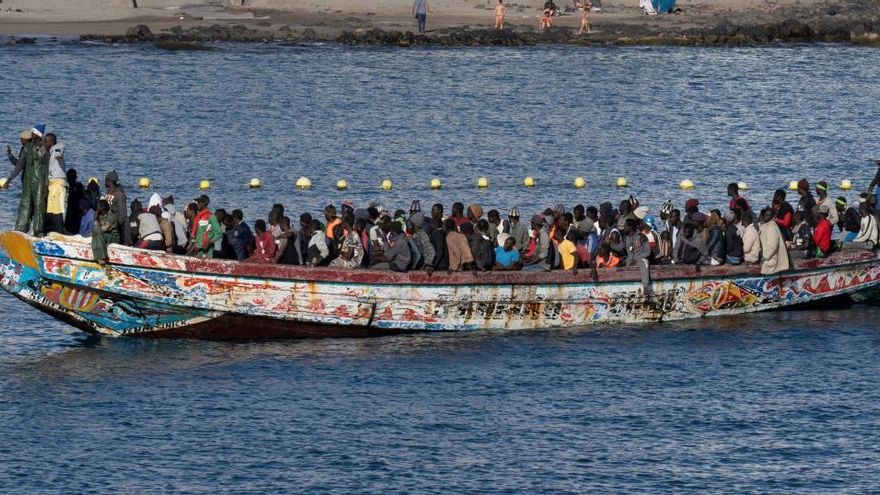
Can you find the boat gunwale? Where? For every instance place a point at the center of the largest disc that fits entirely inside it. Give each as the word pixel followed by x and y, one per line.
pixel 299 273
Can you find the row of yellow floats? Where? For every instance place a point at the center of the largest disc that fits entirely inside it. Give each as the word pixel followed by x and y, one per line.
pixel 482 183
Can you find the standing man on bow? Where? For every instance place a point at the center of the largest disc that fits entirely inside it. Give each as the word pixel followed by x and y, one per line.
pixel 33 164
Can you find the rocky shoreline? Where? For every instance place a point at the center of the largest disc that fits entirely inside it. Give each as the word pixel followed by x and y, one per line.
pixel 855 31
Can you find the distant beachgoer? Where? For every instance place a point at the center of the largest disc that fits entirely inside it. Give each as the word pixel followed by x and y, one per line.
pixel 420 11
pixel 585 19
pixel 500 12
pixel 546 19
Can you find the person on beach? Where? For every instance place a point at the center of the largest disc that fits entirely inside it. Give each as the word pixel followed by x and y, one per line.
pixel 420 11
pixel 546 19
pixel 500 12
pixel 585 18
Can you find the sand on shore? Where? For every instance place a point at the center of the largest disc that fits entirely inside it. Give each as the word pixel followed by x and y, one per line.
pixel 114 17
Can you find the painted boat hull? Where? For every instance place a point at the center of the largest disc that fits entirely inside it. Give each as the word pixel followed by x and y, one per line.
pixel 153 294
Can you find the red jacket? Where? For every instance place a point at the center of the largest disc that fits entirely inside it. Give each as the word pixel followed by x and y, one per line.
pixel 822 235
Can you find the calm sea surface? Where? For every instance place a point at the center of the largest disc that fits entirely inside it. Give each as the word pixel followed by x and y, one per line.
pixel 785 402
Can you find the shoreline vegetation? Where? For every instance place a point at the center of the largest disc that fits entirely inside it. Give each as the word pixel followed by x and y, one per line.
pixel 387 23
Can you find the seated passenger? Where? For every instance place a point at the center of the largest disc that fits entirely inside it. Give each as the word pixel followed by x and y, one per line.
pixel 605 258
pixel 774 256
pixel 264 244
pixel 397 255
pixel 733 243
pixel 715 245
pixel 751 239
pixel 822 232
pixel 87 220
pixel 351 251
pixel 638 249
pixel 482 247
pixel 507 257
pixel 850 220
pixel 286 253
pixel 317 250
pixel 460 256
pixel 801 245
pixel 691 249
pixel 868 230
pixel 568 257
pixel 149 231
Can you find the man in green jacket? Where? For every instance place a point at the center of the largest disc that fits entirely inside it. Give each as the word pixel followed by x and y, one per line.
pixel 33 163
pixel 206 228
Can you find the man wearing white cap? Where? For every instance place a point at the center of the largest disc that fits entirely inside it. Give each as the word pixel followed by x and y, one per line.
pixel 34 162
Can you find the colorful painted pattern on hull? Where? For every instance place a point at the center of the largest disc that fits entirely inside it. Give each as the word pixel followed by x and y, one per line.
pixel 149 292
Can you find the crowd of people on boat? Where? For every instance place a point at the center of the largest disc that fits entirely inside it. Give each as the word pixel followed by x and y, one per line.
pixel 603 236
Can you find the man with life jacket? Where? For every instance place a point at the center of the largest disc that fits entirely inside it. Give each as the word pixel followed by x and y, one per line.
pixel 205 228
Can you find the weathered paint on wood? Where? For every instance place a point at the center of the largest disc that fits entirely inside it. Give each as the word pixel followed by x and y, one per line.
pixel 148 293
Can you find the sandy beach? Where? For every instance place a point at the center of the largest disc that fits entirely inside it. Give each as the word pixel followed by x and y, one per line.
pixel 328 19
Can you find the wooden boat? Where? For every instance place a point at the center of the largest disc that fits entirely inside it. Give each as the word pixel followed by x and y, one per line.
pixel 153 294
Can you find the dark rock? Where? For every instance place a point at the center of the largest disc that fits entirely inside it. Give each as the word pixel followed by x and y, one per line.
pixel 790 29
pixel 141 32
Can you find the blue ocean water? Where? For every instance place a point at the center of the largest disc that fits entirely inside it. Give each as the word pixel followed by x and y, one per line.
pixel 783 402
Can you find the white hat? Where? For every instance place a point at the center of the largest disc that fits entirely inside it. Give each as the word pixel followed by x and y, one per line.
pixel 641 212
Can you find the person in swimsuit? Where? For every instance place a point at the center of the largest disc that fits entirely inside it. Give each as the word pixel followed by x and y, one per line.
pixel 546 19
pixel 585 18
pixel 500 12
